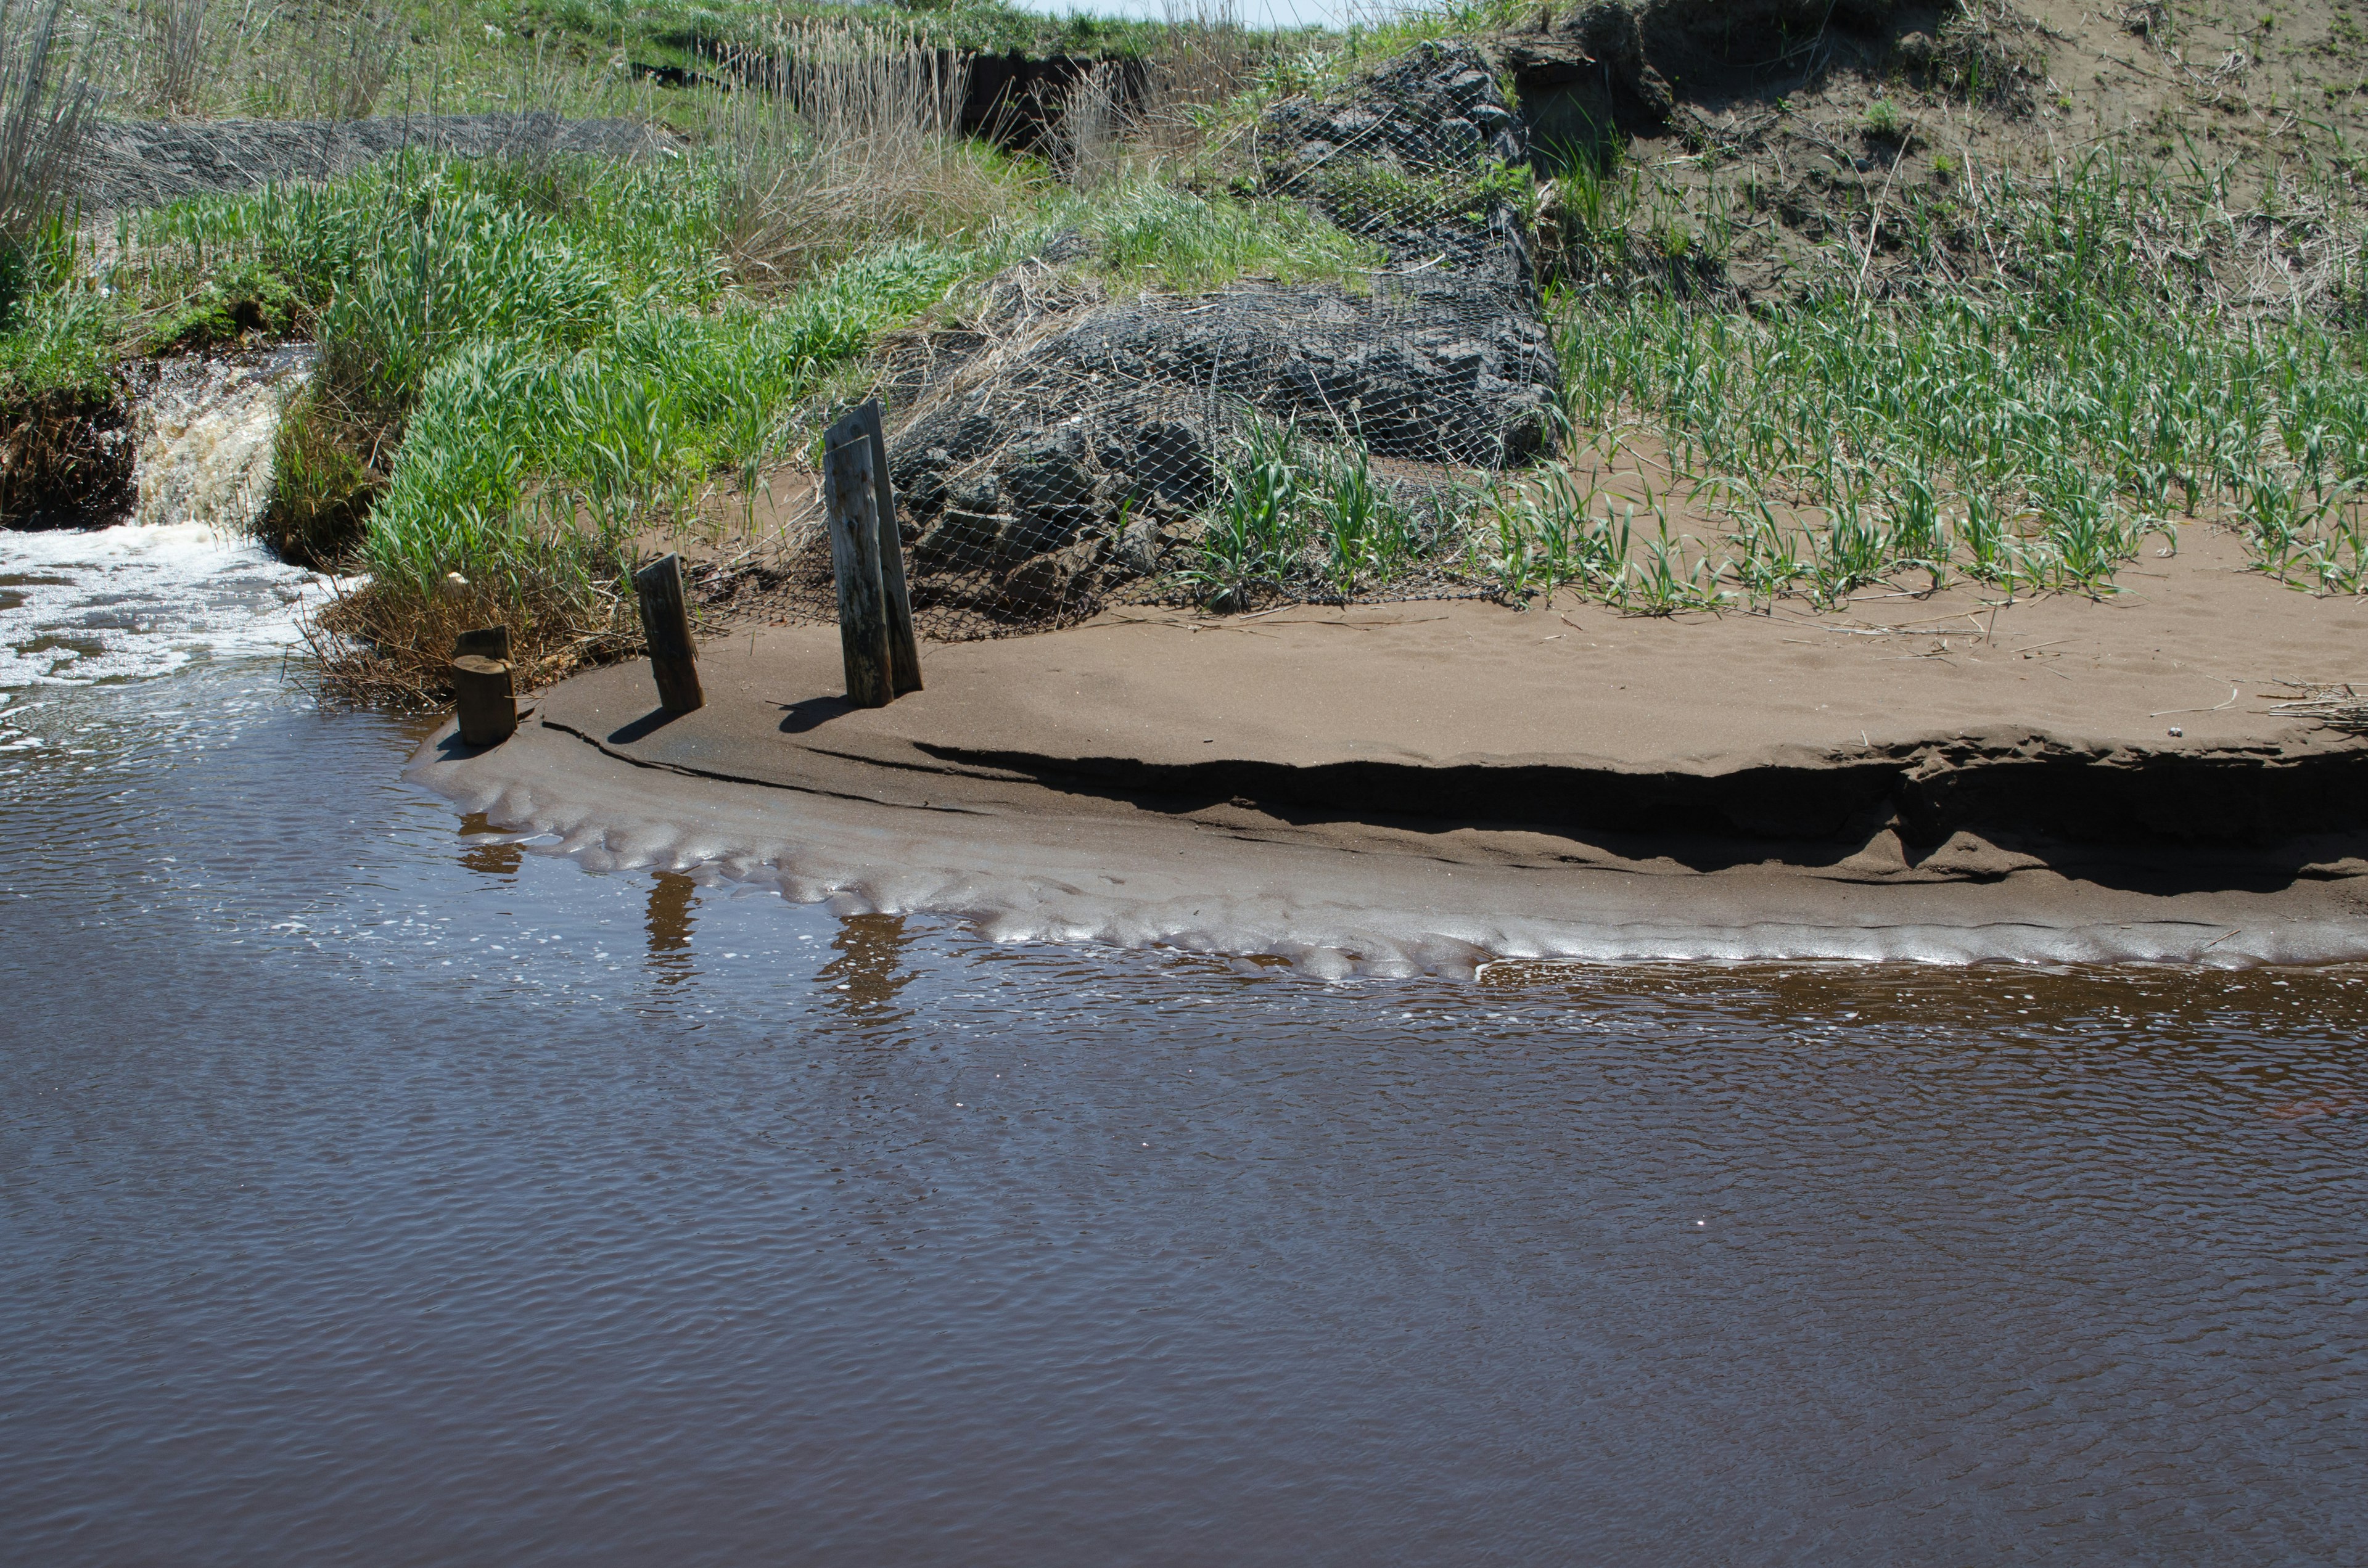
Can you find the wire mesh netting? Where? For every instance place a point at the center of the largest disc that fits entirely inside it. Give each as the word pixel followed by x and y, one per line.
pixel 1064 449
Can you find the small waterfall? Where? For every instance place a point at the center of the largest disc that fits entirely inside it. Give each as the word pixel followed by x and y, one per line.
pixel 184 578
pixel 205 430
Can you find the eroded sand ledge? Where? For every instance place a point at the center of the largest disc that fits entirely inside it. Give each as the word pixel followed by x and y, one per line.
pixel 1429 785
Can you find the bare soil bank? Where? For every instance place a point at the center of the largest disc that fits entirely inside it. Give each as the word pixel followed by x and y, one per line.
pixel 2006 767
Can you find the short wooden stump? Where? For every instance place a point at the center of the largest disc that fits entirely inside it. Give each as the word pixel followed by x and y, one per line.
pixel 485 700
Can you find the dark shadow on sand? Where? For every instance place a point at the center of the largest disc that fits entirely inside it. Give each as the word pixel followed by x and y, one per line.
pixel 2134 829
pixel 812 713
pixel 648 724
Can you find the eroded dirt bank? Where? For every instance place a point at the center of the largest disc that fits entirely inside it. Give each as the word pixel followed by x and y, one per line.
pixel 1427 785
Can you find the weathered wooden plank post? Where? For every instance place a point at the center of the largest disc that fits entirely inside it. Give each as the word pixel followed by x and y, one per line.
pixel 666 626
pixel 851 509
pixel 903 650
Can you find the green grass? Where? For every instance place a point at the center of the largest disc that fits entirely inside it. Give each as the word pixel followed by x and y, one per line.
pixel 329 58
pixel 521 458
pixel 58 341
pixel 558 357
pixel 676 33
pixel 1369 44
pixel 1151 234
pixel 2033 426
pixel 558 341
pixel 1297 515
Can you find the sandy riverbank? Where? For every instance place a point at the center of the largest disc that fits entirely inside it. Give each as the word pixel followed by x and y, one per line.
pixel 1430 784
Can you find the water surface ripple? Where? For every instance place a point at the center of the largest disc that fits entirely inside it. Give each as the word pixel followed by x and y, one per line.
pixel 376 1190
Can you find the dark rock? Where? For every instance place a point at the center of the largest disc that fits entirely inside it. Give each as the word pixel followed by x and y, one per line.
pixel 1046 582
pixel 1430 368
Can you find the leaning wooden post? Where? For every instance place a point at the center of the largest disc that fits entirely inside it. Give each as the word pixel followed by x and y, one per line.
pixel 903 650
pixel 666 626
pixel 486 701
pixel 850 507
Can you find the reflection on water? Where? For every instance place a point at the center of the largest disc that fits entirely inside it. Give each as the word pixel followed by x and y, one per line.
pixel 498 859
pixel 367 1203
pixel 868 971
pixel 668 922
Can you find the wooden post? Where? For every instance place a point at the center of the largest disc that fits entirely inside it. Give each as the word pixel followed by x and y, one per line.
pixel 487 642
pixel 487 705
pixel 666 626
pixel 850 506
pixel 903 650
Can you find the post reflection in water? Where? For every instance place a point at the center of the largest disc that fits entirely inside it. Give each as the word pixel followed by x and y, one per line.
pixel 496 860
pixel 869 971
pixel 666 921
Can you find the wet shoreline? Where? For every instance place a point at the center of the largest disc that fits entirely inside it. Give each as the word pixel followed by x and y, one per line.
pixel 1425 787
pixel 1017 861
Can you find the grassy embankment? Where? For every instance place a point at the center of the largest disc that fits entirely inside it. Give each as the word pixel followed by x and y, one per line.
pixel 2016 370
pixel 2017 366
pixel 527 366
pixel 2021 369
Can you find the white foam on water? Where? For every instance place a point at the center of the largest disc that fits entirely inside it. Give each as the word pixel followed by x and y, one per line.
pixel 124 603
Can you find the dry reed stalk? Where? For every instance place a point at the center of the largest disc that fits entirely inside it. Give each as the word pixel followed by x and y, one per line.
pixel 1091 123
pixel 349 57
pixel 40 124
pixel 2336 707
pixel 1207 58
pixel 173 39
pixel 854 137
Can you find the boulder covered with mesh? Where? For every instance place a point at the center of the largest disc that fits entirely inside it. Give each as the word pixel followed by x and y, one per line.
pixel 1405 158
pixel 1074 456
pixel 1436 108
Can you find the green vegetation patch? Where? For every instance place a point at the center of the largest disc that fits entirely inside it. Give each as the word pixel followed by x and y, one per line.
pixel 2094 371
pixel 1152 235
pixel 520 460
pixel 684 34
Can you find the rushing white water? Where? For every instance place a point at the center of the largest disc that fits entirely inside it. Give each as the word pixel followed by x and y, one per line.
pixel 181 580
pixel 121 603
pixel 206 431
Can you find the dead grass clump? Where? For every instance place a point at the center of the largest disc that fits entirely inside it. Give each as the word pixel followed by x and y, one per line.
pixel 1206 59
pixel 853 138
pixel 172 69
pixel 1991 53
pixel 1092 118
pixel 2337 707
pixel 382 645
pixel 1167 114
pixel 333 64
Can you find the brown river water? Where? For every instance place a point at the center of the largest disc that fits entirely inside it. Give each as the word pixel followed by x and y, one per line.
pixel 376 1189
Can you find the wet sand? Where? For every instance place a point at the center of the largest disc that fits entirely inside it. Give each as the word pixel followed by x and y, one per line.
pixel 1428 784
